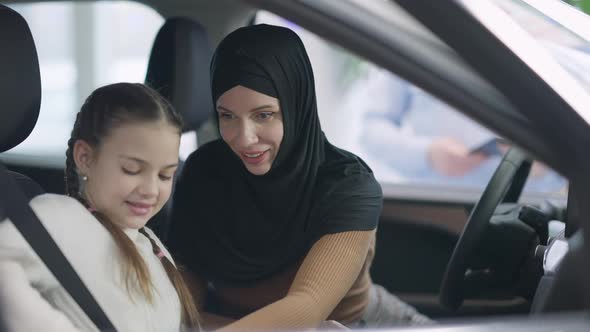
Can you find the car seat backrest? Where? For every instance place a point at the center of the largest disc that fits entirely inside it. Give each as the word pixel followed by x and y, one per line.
pixel 20 81
pixel 179 69
pixel 20 88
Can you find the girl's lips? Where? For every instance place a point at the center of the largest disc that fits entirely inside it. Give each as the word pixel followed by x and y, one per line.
pixel 254 158
pixel 139 209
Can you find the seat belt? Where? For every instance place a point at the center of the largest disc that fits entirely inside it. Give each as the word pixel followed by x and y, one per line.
pixel 15 206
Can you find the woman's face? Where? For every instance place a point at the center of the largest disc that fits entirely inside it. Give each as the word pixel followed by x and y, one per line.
pixel 130 173
pixel 251 124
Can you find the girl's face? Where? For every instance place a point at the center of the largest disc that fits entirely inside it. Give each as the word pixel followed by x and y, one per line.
pixel 130 173
pixel 251 124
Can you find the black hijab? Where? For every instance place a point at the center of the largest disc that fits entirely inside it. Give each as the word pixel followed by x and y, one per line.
pixel 235 227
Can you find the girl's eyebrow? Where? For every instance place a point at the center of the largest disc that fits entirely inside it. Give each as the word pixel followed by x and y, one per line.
pixel 141 161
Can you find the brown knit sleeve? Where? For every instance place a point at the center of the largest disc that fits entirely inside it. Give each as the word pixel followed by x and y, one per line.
pixel 325 276
pixel 197 286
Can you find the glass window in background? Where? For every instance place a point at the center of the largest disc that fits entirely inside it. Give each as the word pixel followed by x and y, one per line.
pixel 407 136
pixel 81 46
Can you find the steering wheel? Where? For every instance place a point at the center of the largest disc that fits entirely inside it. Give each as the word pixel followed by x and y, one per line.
pixel 505 187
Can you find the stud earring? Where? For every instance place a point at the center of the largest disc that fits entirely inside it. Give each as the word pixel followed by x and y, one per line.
pixel 84 178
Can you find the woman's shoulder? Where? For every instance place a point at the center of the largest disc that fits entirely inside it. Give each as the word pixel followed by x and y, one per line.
pixel 342 168
pixel 206 164
pixel 348 191
pixel 206 151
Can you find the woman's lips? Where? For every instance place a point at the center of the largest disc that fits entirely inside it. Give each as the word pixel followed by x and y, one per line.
pixel 254 157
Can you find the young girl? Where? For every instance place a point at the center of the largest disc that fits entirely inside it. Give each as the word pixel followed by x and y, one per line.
pixel 279 220
pixel 121 158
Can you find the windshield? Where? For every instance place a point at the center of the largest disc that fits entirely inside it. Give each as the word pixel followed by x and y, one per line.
pixel 567 43
pixel 559 49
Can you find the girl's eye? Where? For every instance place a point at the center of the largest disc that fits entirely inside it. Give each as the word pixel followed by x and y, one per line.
pixel 130 171
pixel 165 177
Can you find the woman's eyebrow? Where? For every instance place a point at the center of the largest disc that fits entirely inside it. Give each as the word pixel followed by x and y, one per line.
pixel 261 107
pixel 258 108
pixel 224 109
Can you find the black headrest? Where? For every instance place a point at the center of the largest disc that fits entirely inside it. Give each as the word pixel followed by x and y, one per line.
pixel 179 69
pixel 20 82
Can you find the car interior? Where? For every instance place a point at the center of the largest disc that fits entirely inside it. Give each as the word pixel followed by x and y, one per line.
pixel 482 256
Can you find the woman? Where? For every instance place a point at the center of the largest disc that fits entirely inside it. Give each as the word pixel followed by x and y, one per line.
pixel 121 158
pixel 278 220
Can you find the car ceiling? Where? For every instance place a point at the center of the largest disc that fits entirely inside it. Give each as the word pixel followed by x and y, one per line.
pixel 219 16
pixel 223 16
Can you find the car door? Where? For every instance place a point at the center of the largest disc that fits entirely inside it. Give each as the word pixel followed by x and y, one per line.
pixel 423 215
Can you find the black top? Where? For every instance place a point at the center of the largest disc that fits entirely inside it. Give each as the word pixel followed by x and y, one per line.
pixel 235 227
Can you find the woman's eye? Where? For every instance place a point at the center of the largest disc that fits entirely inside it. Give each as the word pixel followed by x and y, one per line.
pixel 265 115
pixel 130 171
pixel 225 116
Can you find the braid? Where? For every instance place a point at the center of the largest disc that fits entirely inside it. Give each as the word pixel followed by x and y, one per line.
pixel 71 177
pixel 190 316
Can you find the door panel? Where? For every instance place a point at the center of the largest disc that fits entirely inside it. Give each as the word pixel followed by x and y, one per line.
pixel 414 243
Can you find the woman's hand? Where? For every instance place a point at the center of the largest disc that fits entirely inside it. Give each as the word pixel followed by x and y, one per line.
pixel 331 325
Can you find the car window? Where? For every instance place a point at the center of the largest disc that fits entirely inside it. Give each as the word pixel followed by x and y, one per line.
pixel 81 47
pixel 569 45
pixel 407 136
